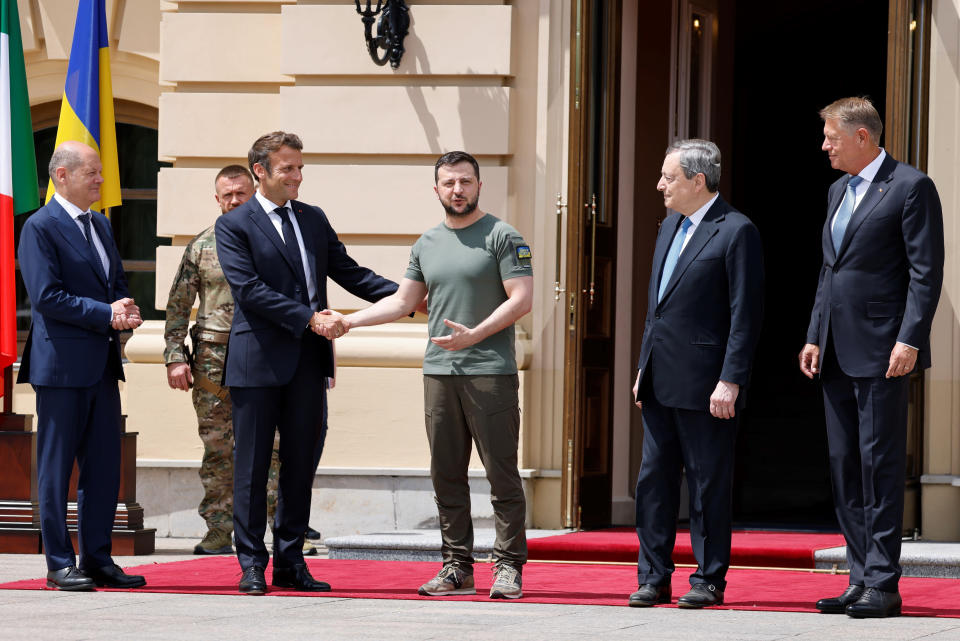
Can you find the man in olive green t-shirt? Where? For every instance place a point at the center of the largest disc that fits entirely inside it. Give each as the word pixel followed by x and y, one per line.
pixel 476 270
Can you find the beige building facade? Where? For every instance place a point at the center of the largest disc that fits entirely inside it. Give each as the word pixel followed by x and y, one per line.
pixel 568 105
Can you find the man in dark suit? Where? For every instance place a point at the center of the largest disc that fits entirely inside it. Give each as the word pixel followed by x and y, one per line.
pixel 870 328
pixel 277 253
pixel 705 303
pixel 78 292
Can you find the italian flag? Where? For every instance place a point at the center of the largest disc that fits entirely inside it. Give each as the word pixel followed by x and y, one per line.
pixel 18 170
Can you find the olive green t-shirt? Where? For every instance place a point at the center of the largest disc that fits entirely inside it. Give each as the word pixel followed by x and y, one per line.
pixel 464 270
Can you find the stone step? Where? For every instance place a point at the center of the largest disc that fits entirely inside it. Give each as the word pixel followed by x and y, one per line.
pixel 413 545
pixel 917 558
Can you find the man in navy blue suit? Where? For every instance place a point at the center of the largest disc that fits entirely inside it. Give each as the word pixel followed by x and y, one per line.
pixel 277 253
pixel 78 292
pixel 870 328
pixel 704 309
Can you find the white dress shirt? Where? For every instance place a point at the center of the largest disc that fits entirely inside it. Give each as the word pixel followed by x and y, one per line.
pixel 269 207
pixel 867 174
pixel 696 218
pixel 75 213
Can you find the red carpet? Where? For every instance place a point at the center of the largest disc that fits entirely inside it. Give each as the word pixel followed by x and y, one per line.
pixel 787 591
pixel 749 548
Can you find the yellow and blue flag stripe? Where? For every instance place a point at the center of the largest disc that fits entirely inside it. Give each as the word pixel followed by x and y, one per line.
pixel 86 112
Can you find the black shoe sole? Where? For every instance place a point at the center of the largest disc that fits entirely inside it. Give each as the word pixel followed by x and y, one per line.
pixel 696 606
pixel 253 592
pixel 648 604
pixel 224 550
pixel 138 584
pixel 290 586
pixel 874 615
pixel 89 587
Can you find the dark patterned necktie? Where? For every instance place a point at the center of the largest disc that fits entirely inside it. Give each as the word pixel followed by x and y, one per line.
pixel 293 248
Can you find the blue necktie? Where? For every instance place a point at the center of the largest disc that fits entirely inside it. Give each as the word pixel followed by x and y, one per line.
pixel 673 256
pixel 84 219
pixel 845 212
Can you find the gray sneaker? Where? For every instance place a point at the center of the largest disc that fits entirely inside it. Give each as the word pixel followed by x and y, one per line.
pixel 507 582
pixel 450 581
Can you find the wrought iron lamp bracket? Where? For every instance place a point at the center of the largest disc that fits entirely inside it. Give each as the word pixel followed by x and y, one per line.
pixel 392 28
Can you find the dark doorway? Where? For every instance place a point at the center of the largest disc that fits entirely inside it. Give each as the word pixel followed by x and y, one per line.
pixel 790 60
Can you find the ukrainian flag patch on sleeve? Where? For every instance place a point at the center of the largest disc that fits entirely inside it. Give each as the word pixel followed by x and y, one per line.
pixel 523 252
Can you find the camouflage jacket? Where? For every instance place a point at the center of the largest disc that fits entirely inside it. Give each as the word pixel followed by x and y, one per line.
pixel 199 273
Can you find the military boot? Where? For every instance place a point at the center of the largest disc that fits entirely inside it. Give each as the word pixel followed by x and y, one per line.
pixel 216 541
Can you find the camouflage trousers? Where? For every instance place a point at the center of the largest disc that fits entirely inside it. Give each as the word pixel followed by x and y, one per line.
pixel 215 420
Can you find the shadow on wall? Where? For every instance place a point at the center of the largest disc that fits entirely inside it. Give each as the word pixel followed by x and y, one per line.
pixel 414 48
pixel 478 104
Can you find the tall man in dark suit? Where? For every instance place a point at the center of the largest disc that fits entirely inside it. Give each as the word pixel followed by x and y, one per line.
pixel 870 328
pixel 74 277
pixel 705 303
pixel 277 253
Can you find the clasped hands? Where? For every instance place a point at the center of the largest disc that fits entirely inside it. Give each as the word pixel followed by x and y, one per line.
pixel 329 324
pixel 126 314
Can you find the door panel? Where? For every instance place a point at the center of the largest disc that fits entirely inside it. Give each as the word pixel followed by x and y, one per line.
pixel 591 256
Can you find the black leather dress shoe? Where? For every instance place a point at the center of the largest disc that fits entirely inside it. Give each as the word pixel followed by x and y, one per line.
pixel 70 579
pixel 253 581
pixel 312 535
pixel 298 577
pixel 649 595
pixel 111 576
pixel 875 604
pixel 838 604
pixel 701 595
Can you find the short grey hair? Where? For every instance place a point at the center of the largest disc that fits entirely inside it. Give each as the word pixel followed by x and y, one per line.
pixel 63 156
pixel 698 156
pixel 854 113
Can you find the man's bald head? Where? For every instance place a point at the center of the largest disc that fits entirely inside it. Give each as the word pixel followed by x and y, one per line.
pixel 75 170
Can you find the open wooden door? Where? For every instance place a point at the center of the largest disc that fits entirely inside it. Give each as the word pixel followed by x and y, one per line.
pixel 591 233
pixel 905 138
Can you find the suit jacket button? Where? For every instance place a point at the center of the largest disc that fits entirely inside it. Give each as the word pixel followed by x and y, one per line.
pixel 657 316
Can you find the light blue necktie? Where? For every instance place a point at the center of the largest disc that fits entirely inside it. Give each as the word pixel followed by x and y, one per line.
pixel 673 256
pixel 845 212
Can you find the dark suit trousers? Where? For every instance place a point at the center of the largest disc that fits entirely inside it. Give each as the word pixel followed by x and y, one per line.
pixel 296 410
pixel 675 439
pixel 867 438
pixel 82 424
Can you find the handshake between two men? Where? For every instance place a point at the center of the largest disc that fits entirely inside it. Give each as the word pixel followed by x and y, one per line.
pixel 332 324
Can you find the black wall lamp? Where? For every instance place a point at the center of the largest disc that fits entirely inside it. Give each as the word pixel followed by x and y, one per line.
pixel 391 30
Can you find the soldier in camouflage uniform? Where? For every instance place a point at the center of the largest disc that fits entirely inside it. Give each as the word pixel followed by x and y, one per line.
pixel 200 273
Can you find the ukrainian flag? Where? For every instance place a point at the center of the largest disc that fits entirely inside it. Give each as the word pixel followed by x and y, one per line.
pixel 86 113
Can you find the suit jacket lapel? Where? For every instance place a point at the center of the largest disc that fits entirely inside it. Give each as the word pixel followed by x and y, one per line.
pixel 71 233
pixel 875 193
pixel 660 255
pixel 828 226
pixel 309 238
pixel 706 230
pixel 262 220
pixel 105 236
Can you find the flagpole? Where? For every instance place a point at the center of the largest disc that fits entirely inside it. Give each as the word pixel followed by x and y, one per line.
pixel 8 390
